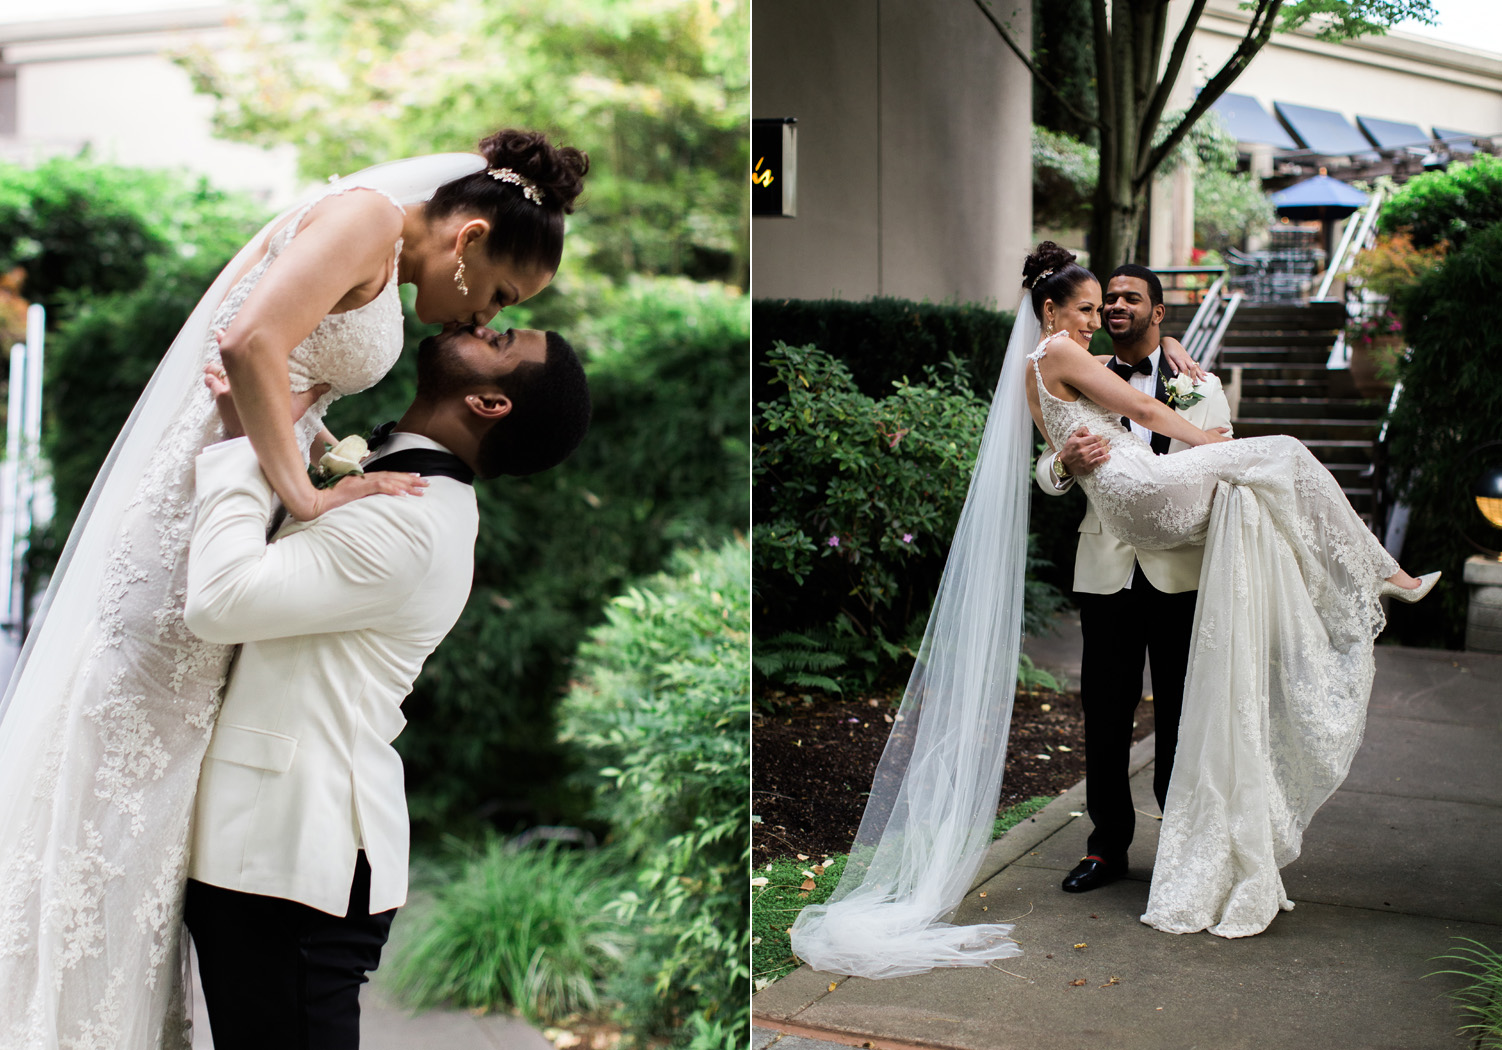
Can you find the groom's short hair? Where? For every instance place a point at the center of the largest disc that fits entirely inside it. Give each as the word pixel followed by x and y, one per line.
pixel 1142 273
pixel 550 410
pixel 550 406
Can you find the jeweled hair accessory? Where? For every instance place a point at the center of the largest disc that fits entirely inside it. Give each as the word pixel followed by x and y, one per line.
pixel 1039 279
pixel 527 186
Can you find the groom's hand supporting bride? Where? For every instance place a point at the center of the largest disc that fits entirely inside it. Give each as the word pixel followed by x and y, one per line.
pixel 1134 605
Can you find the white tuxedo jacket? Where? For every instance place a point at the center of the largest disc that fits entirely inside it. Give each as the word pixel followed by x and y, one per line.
pixel 1103 563
pixel 337 616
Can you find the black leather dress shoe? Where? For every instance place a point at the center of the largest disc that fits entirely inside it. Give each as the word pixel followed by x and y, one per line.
pixel 1092 873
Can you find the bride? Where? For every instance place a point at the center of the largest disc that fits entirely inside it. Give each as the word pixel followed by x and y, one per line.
pixel 110 707
pixel 1278 681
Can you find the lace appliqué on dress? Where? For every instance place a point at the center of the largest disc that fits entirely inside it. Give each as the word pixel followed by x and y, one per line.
pixel 1281 667
pixel 103 850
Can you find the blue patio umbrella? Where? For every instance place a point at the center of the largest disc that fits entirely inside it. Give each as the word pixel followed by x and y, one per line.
pixel 1318 197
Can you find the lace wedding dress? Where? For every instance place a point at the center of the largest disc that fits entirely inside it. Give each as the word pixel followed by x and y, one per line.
pixel 100 787
pixel 1281 667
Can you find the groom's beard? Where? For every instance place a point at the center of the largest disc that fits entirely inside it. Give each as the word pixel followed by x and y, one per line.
pixel 1132 334
pixel 440 372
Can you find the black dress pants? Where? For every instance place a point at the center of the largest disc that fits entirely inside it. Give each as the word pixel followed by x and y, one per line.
pixel 1119 630
pixel 280 974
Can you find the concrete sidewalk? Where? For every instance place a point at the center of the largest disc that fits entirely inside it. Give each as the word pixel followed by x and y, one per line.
pixel 1403 859
pixel 387 1026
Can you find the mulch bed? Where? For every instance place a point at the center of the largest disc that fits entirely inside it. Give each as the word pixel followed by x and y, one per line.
pixel 812 763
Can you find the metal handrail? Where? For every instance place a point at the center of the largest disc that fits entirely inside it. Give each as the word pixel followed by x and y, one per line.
pixel 1360 234
pixel 1207 308
pixel 1212 346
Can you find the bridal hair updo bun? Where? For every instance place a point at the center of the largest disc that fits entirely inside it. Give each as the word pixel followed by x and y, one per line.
pixel 527 187
pixel 1050 272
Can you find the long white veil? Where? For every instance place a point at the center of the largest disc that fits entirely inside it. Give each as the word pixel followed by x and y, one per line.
pixel 933 801
pixel 72 595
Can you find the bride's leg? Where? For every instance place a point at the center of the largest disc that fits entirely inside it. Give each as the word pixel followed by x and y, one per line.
pixel 1403 580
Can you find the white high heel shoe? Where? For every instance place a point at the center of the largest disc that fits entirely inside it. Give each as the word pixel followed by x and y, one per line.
pixel 1405 594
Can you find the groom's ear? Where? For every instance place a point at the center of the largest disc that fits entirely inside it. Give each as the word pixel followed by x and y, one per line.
pixel 1160 311
pixel 488 406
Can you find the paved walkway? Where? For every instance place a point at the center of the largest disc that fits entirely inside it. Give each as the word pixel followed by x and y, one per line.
pixel 1403 859
pixel 386 1026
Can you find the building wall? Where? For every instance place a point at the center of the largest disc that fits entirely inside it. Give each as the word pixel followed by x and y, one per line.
pixel 914 151
pixel 1394 77
pixel 1391 77
pixel 110 84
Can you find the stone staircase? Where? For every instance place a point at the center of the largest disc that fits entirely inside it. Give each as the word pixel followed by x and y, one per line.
pixel 1272 364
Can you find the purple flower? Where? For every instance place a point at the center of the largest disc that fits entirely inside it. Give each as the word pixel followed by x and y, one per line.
pixel 907 537
pixel 834 541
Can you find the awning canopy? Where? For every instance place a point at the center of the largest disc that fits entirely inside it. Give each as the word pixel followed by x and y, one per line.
pixel 1456 141
pixel 1394 134
pixel 1245 118
pixel 1322 130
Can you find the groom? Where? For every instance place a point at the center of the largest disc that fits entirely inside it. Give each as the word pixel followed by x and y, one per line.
pixel 1133 604
pixel 299 841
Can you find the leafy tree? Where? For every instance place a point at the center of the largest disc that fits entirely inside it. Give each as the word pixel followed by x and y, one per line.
pixel 1064 55
pixel 655 90
pixel 1134 81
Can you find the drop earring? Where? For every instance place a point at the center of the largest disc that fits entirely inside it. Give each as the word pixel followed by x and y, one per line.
pixel 459 278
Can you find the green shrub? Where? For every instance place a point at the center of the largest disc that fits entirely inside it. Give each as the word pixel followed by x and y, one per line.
pixel 857 498
pixel 81 229
pixel 1451 402
pixel 525 928
pixel 856 503
pixel 664 464
pixel 661 714
pixel 1449 205
pixel 884 340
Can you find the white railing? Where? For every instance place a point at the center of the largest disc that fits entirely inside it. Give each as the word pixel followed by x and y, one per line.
pixel 25 495
pixel 1207 331
pixel 1360 232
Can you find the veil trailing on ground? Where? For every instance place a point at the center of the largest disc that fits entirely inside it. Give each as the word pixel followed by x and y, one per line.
pixel 60 626
pixel 929 819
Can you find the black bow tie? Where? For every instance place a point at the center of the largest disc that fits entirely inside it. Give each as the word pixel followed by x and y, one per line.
pixel 1145 367
pixel 425 461
pixel 379 435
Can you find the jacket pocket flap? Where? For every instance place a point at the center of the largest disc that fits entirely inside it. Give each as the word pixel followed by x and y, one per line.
pixel 249 746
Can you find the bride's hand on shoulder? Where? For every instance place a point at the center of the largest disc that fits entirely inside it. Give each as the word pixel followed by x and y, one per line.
pixel 377 483
pixel 1179 358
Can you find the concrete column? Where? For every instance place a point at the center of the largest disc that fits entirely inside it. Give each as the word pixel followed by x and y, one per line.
pixel 1483 625
pixel 914 151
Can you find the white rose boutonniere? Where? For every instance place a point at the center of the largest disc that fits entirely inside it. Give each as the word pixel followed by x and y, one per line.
pixel 1181 392
pixel 338 462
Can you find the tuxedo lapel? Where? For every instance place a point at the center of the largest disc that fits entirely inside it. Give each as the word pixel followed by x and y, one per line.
pixel 1160 442
pixel 425 461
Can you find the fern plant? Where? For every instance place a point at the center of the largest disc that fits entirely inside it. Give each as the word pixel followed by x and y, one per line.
pixel 797 660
